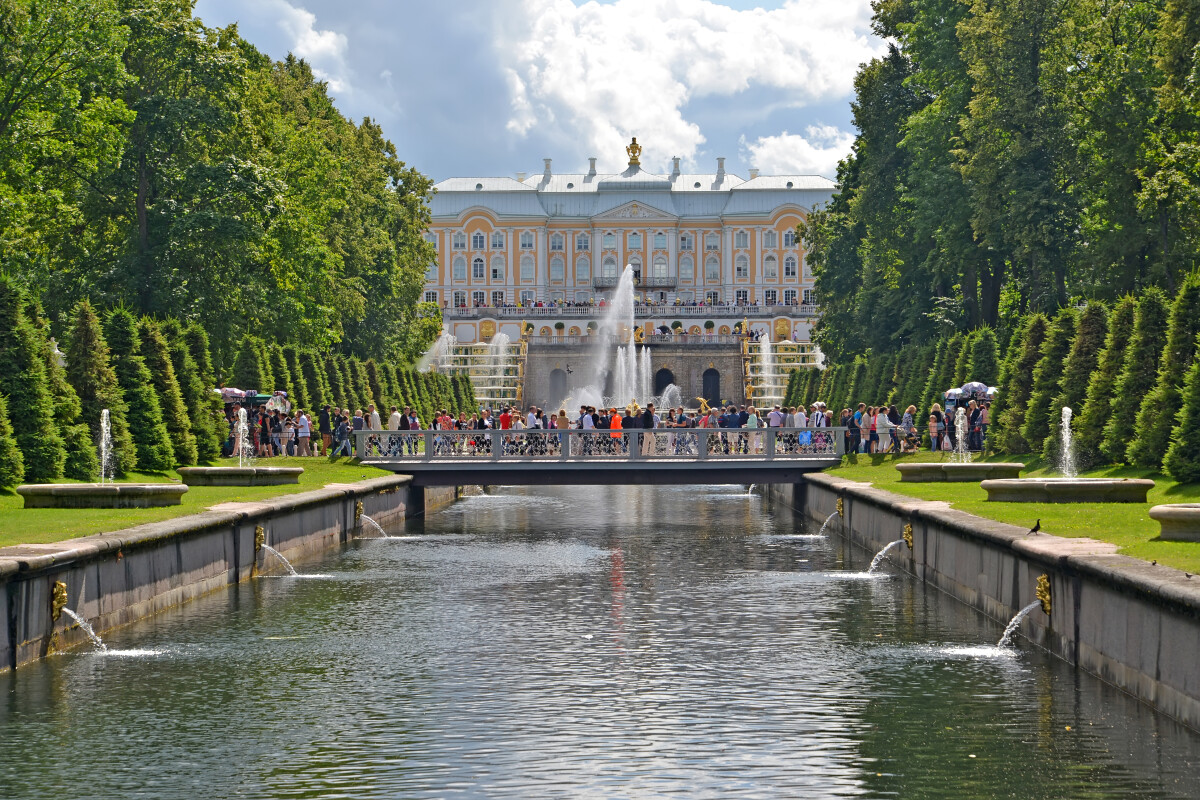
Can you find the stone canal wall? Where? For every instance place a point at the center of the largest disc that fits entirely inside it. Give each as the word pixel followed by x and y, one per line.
pixel 118 577
pixel 1131 623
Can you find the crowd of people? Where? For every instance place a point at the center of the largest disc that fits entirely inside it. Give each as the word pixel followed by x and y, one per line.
pixel 884 429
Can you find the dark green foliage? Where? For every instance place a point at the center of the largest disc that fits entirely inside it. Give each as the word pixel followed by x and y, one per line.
pixel 362 385
pixel 23 380
pixel 955 352
pixel 315 378
pixel 91 375
pixel 264 361
pixel 1077 372
pixel 151 441
pixel 985 361
pixel 196 341
pixel 249 368
pixel 337 382
pixel 1182 461
pixel 375 384
pixel 1009 410
pixel 299 385
pixel 1046 376
pixel 279 370
pixel 1098 405
pixel 157 355
pixel 204 407
pixel 12 465
pixel 1138 374
pixel 1156 420
pixel 931 391
pixel 962 365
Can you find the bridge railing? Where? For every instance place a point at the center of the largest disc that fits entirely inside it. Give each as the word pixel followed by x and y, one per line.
pixel 696 444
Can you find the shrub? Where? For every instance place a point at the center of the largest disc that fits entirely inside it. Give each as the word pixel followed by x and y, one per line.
pixel 985 361
pixel 91 374
pixel 82 461
pixel 1009 409
pixel 1077 372
pixel 12 465
pixel 249 368
pixel 150 438
pixel 1183 455
pixel 204 406
pixel 1138 374
pixel 1046 376
pixel 1097 406
pixel 157 356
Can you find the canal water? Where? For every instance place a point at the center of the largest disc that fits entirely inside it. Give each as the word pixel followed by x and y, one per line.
pixel 581 642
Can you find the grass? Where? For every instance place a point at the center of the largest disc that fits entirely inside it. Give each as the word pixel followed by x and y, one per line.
pixel 1127 525
pixel 20 525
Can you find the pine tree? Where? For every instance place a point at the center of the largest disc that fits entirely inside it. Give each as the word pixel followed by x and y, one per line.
pixel 12 465
pixel 1183 455
pixel 249 371
pixel 1045 377
pixel 281 375
pixel 930 391
pixel 362 385
pixel 1138 373
pixel 315 379
pixel 1156 420
pixel 82 462
pixel 375 383
pixel 202 403
pixel 955 352
pixel 157 355
pixel 299 385
pixel 91 374
pixel 984 366
pixel 150 438
pixel 208 412
pixel 337 382
pixel 962 367
pixel 1077 371
pixel 264 360
pixel 1011 404
pixel 23 380
pixel 1098 405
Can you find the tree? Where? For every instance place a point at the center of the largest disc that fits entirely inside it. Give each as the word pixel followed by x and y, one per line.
pixel 205 408
pixel 151 441
pixel 1077 372
pixel 1045 377
pixel 1156 420
pixel 1183 456
pixel 301 395
pixel 23 381
pixel 281 372
pixel 314 378
pixel 157 355
pixel 985 366
pixel 1009 410
pixel 12 465
pixel 91 374
pixel 202 403
pixel 1137 375
pixel 249 372
pixel 1098 405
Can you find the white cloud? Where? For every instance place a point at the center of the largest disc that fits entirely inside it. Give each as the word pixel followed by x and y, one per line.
pixel 595 74
pixel 815 153
pixel 324 50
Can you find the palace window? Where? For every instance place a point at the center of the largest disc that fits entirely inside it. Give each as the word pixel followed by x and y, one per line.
pixel 712 241
pixel 431 272
pixel 789 238
pixel 636 263
pixel 810 297
pixel 556 269
pixel 498 268
pixel 741 240
pixel 582 297
pixel 635 241
pixel 610 241
pixel 526 240
pixel 660 267
pixel 789 267
pixel 742 297
pixel 460 269
pixel 712 269
pixel 497 240
pixel 583 242
pixel 432 239
pixel 609 269
pixel 556 242
pixel 526 268
pixel 686 272
pixel 770 239
pixel 478 241
pixel 772 297
pixel 660 241
pixel 459 241
pixel 712 297
pixel 686 242
pixel 477 269
pixel 460 299
pixel 431 297
pixel 478 298
pixel 741 267
pixel 527 297
pixel 498 298
pixel 583 269
pixel 771 268
pixel 789 297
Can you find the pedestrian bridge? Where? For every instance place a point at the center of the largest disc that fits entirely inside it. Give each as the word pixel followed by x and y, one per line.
pixel 601 457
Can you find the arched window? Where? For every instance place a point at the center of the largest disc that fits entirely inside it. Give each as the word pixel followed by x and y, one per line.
pixel 610 267
pixel 558 387
pixel 526 268
pixel 789 267
pixel 556 242
pixel 770 239
pixel 583 269
pixel 478 240
pixel 556 269
pixel 662 379
pixel 460 268
pixel 477 269
pixel 712 386
pixel 712 269
pixel 460 299
pixel 526 240
pixel 497 268
pixel 771 268
pixel 660 267
pixel 685 269
pixel 636 263
pixel 741 266
pixel 789 238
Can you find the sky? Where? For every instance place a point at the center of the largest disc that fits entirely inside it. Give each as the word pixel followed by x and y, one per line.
pixel 471 88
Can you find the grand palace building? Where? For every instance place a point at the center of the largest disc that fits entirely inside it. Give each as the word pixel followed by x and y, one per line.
pixel 536 257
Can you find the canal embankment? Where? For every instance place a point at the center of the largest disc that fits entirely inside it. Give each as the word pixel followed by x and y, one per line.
pixel 114 578
pixel 1132 623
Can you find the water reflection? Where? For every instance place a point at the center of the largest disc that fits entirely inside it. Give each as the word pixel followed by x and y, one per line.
pixel 581 642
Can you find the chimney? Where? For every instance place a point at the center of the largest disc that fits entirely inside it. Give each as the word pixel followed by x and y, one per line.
pixel 520 177
pixel 675 167
pixel 591 167
pixel 753 173
pixel 720 169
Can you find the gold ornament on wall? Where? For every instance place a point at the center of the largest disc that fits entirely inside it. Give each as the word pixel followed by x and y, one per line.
pixel 841 508
pixel 58 600
pixel 358 510
pixel 260 538
pixel 908 539
pixel 1043 592
pixel 487 329
pixel 783 329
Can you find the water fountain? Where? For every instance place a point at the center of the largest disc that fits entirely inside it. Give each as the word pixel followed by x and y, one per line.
pixel 439 353
pixel 877 561
pixel 1069 488
pixel 374 525
pixel 84 626
pixel 960 468
pixel 291 570
pixel 245 473
pixel 1015 622
pixel 825 524
pixel 107 468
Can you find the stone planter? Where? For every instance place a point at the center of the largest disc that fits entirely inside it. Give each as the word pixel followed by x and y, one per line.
pixel 1068 490
pixel 1179 522
pixel 935 472
pixel 240 476
pixel 101 495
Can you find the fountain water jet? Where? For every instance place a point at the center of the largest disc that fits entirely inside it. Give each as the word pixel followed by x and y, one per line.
pixel 825 524
pixel 375 525
pixel 107 467
pixel 245 452
pixel 1066 453
pixel 83 624
pixel 291 570
pixel 962 455
pixel 1015 622
pixel 881 555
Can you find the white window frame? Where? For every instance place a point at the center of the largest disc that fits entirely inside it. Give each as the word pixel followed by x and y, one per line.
pixel 527 268
pixel 771 268
pixel 712 269
pixel 498 268
pixel 558 243
pixel 460 268
pixel 789 267
pixel 583 243
pixel 687 269
pixel 635 240
pixel 497 240
pixel 528 297
pixel 741 297
pixel 610 241
pixel 659 268
pixel 583 269
pixel 478 240
pixel 431 296
pixel 770 239
pixel 458 241
pixel 686 242
pixel 557 269
pixel 712 241
pixel 526 240
pixel 789 238
pixel 478 269
pixel 478 298
pixel 741 266
pixel 810 297
pixel 660 241
pixel 609 268
pixel 771 297
pixel 789 297
pixel 741 240
pixel 432 238
pixel 712 297
pixel 498 297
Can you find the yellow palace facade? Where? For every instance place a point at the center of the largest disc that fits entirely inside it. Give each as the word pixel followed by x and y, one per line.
pixel 542 254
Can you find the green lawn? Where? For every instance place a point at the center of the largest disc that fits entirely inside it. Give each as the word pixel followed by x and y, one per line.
pixel 1126 525
pixel 40 525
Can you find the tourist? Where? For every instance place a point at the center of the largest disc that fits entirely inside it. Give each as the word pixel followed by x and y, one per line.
pixel 394 420
pixel 909 427
pixel 973 426
pixel 373 418
pixel 936 413
pixel 984 418
pixel 752 424
pixel 531 420
pixel 649 422
pixel 324 428
pixel 303 433
pixel 935 433
pixel 359 422
pixel 341 438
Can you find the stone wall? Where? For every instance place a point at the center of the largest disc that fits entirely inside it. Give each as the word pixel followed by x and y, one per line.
pixel 1131 623
pixel 118 577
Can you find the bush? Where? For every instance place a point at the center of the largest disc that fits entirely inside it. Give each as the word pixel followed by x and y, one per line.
pixel 1138 374
pixel 1046 376
pixel 1183 455
pixel 204 406
pixel 157 355
pixel 91 374
pixel 249 366
pixel 82 462
pixel 985 361
pixel 12 465
pixel 151 441
pixel 300 394
pixel 1009 409
pixel 281 375
pixel 1097 407
pixel 1076 373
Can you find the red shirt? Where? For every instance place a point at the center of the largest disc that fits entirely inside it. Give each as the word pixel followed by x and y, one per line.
pixel 505 421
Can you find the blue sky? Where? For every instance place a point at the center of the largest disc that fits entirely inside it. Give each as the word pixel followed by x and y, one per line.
pixel 491 87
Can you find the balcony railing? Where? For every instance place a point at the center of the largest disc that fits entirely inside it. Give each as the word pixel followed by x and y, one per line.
pixel 605 281
pixel 641 310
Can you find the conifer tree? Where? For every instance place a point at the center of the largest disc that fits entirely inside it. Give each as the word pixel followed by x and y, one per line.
pixel 12 465
pixel 91 374
pixel 984 366
pixel 264 360
pixel 1008 412
pixel 1156 419
pixel 930 393
pixel 203 404
pixel 1138 373
pixel 196 340
pixel 1077 372
pixel 1182 461
pixel 315 379
pixel 157 355
pixel 1097 407
pixel 1046 376
pixel 362 385
pixel 955 352
pixel 299 385
pixel 337 382
pixel 962 367
pixel 281 375
pixel 82 462
pixel 249 371
pixel 376 384
pixel 23 380
pixel 150 438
